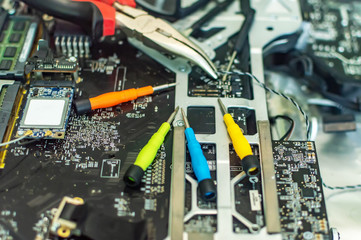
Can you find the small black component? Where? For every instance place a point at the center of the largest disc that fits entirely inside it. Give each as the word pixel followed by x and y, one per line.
pixel 236 86
pixel 44 61
pixel 82 106
pixel 339 123
pixel 10 52
pixel 208 189
pixel 52 83
pixel 5 64
pixel 308 193
pixel 245 118
pixel 2 36
pixel 202 119
pixel 35 92
pixel 19 26
pixel 15 38
pixel 251 165
pixel 133 176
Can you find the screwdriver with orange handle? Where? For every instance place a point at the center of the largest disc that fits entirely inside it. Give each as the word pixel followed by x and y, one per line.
pixel 111 99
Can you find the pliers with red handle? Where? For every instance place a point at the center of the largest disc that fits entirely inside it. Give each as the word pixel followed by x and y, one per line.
pixel 102 17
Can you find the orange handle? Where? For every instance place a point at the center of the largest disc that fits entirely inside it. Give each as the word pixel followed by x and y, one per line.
pixel 114 98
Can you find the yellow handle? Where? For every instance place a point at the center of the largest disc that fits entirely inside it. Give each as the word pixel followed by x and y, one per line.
pixel 240 143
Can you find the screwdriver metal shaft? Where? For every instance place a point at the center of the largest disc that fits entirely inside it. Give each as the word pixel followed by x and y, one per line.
pixel 111 99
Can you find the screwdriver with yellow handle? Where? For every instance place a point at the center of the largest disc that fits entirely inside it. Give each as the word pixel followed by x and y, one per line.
pixel 111 99
pixel 135 172
pixel 242 147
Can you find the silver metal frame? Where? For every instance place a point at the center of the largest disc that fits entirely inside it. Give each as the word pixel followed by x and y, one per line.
pixel 273 19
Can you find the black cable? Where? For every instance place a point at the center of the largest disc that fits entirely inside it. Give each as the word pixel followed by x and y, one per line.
pixel 196 27
pixel 288 133
pixel 348 187
pixel 305 116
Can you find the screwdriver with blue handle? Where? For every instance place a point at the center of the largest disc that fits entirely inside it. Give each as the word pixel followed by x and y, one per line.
pixel 135 172
pixel 199 163
pixel 242 147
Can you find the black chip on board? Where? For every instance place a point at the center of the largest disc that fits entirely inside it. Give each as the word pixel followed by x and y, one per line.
pixel 19 26
pixel 308 193
pixel 5 64
pixel 202 119
pixel 10 52
pixel 15 38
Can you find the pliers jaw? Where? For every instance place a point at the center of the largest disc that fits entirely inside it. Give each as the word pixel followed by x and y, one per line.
pixel 160 35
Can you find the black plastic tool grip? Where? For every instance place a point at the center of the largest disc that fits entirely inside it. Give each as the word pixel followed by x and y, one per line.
pixel 87 14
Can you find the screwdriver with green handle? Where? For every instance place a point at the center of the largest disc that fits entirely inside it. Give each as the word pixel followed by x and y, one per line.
pixel 135 172
pixel 242 147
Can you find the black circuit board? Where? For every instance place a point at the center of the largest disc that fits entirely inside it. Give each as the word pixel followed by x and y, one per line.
pixel 248 193
pixel 91 160
pixel 335 34
pixel 301 202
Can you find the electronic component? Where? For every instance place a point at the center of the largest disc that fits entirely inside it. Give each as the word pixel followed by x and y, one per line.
pixel 202 119
pixel 73 46
pixel 46 112
pixel 17 34
pixel 303 211
pixel 234 86
pixel 335 36
pixel 43 61
pixel 339 123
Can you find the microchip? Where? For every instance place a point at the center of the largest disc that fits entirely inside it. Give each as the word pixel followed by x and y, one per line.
pixel 10 52
pixel 5 64
pixel 19 26
pixel 308 193
pixel 15 38
pixel 46 112
pixel 202 119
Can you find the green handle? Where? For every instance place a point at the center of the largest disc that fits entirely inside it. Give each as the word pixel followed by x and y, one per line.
pixel 149 151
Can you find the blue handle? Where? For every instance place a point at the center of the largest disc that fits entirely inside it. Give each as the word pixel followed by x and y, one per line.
pixel 199 162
